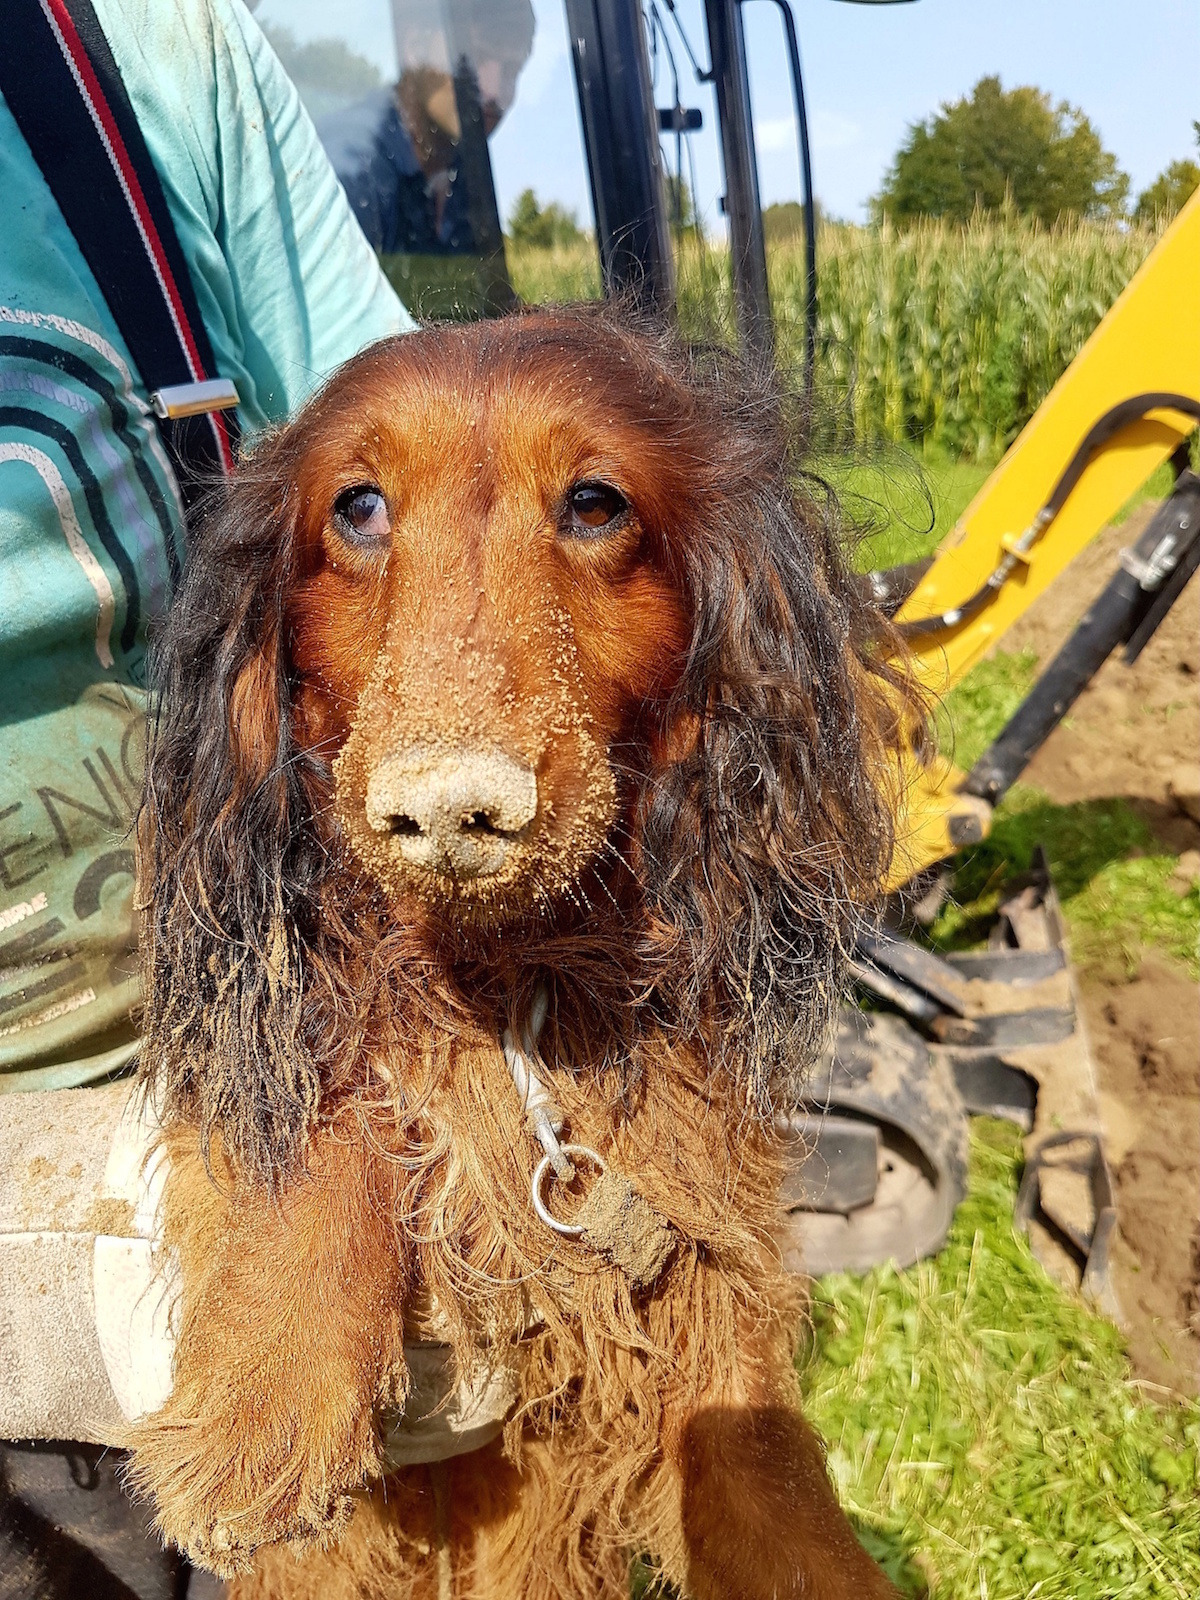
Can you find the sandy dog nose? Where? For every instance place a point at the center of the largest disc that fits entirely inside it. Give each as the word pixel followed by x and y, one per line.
pixel 455 810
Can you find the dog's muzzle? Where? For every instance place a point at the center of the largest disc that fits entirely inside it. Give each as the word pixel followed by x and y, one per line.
pixel 457 810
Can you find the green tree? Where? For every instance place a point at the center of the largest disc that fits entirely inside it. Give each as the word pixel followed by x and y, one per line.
pixel 541 227
pixel 327 65
pixel 783 222
pixel 998 149
pixel 1169 192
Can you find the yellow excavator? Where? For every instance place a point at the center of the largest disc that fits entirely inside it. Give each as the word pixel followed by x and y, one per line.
pixel 998 1030
pixel 1128 402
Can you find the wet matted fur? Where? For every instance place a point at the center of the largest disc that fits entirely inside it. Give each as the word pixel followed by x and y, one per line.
pixel 564 545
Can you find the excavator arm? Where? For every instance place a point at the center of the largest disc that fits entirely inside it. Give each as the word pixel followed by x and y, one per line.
pixel 996 1030
pixel 1135 389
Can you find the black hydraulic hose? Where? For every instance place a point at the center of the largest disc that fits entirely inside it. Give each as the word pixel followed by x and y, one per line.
pixel 1134 601
pixel 1100 630
pixel 943 621
pixel 1101 431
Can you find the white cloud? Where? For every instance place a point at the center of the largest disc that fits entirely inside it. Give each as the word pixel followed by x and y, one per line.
pixel 773 134
pixel 831 131
pixel 827 129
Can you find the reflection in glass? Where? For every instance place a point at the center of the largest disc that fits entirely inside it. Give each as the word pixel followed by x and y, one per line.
pixel 412 153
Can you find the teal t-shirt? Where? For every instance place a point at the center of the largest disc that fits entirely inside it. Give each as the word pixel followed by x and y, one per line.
pixel 90 522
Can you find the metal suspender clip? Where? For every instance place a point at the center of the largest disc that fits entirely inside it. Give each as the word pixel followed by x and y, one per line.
pixel 193 399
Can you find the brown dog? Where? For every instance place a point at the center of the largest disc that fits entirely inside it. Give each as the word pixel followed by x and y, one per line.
pixel 511 677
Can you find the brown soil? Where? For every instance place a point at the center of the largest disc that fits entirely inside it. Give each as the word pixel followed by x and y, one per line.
pixel 1135 733
pixel 1145 1038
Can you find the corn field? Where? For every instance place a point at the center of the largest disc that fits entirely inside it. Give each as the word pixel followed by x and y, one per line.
pixel 936 336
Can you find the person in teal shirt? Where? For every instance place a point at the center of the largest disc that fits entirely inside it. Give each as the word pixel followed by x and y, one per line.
pixel 91 538
pixel 288 288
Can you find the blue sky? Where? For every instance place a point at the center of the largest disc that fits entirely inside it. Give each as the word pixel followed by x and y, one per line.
pixel 870 71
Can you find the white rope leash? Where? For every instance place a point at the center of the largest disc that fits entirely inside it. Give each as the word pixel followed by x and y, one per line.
pixel 543 1115
pixel 614 1219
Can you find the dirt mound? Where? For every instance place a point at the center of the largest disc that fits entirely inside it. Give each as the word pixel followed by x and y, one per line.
pixel 1145 1038
pixel 1135 733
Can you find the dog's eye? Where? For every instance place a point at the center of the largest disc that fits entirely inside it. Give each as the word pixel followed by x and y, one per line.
pixel 360 514
pixel 593 507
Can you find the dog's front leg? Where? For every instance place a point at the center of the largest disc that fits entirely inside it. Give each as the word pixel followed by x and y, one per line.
pixel 760 1520
pixel 290 1329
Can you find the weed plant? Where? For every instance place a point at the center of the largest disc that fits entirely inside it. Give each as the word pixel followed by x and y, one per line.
pixel 937 336
pixel 951 336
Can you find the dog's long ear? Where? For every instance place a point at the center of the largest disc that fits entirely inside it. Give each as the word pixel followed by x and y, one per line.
pixel 768 830
pixel 228 856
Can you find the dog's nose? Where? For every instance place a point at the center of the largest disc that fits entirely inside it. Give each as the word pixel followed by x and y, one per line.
pixel 455 810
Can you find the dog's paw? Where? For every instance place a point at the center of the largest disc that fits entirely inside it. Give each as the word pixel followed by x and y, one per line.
pixel 227 1547
pixel 220 1548
pixel 222 1490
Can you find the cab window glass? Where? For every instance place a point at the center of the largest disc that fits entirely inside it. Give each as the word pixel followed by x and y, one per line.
pixel 409 97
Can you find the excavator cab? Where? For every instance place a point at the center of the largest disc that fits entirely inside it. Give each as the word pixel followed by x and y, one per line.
pixel 426 107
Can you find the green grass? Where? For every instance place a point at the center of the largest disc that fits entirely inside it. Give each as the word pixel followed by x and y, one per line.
pixel 899 502
pixel 978 707
pixel 569 272
pixel 983 1428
